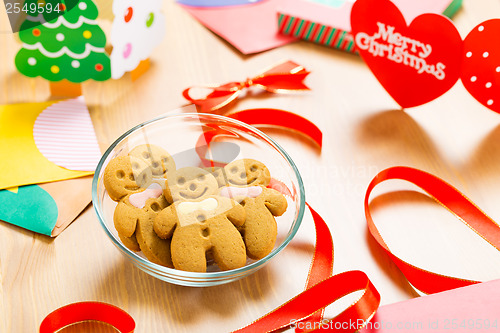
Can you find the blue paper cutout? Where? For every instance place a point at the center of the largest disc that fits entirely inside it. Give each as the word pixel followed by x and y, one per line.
pixel 31 208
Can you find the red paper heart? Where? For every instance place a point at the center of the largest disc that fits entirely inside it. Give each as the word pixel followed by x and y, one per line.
pixel 416 63
pixel 481 67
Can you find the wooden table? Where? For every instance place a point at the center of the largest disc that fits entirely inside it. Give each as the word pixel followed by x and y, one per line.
pixel 453 137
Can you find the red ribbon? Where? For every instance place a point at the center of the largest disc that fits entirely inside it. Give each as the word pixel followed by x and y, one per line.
pixel 280 118
pixel 305 311
pixel 286 76
pixel 452 199
pixel 266 117
pixel 87 311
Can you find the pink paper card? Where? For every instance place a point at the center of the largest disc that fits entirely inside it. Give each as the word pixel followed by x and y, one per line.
pixel 250 28
pixel 471 309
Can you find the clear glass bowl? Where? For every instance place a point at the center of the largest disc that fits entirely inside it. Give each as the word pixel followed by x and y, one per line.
pixel 179 135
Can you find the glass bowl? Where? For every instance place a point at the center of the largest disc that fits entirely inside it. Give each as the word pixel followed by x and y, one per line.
pixel 180 134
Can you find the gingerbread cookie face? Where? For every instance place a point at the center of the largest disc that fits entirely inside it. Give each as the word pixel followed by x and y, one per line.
pixel 198 227
pixel 158 159
pixel 126 175
pixel 261 206
pixel 247 172
pixel 190 183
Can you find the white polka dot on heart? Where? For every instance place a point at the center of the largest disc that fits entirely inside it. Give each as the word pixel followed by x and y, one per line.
pixel 488 85
pixel 473 79
pixel 490 102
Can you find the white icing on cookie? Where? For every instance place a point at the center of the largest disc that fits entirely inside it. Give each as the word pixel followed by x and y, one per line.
pixel 249 192
pixel 189 207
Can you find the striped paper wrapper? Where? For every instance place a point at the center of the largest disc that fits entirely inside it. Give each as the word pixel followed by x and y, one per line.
pixel 315 32
pixel 330 35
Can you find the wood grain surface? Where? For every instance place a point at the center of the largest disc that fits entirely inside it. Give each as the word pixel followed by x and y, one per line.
pixel 453 137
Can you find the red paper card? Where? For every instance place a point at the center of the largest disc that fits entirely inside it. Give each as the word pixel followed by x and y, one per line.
pixel 481 69
pixel 415 63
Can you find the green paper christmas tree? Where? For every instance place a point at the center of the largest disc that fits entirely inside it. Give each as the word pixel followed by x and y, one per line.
pixel 68 46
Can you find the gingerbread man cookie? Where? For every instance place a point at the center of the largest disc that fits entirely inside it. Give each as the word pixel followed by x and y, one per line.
pixel 246 172
pixel 157 158
pixel 154 248
pixel 246 181
pixel 133 218
pixel 198 227
pixel 189 183
pixel 131 181
pixel 126 175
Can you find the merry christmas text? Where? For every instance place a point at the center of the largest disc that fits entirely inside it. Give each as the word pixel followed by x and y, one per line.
pixel 400 49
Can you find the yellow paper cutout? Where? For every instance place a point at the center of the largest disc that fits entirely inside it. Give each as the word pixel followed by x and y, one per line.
pixel 13 189
pixel 21 161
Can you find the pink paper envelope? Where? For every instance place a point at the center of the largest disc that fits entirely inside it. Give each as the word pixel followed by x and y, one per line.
pixel 341 17
pixel 471 309
pixel 250 28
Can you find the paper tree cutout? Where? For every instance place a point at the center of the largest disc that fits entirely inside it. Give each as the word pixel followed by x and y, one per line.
pixel 70 46
pixel 139 26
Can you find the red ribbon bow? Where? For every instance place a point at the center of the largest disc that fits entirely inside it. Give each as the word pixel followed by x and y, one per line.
pixel 286 76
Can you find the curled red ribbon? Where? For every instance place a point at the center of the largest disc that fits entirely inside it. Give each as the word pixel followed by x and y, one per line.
pixel 286 76
pixel 305 311
pixel 88 311
pixel 266 117
pixel 452 199
pixel 280 118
